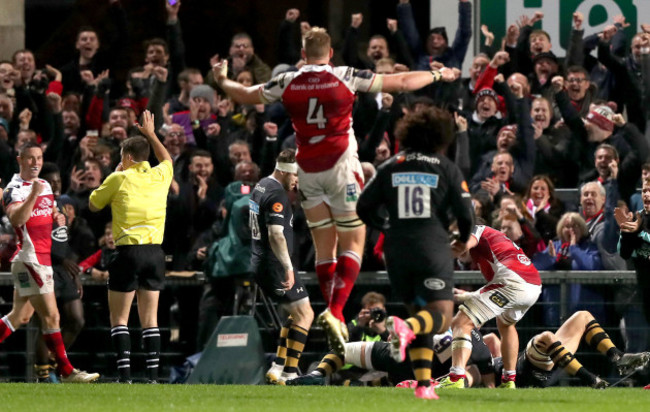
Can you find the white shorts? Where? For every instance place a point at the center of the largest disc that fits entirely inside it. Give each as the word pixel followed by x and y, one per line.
pixel 339 187
pixel 32 278
pixel 508 301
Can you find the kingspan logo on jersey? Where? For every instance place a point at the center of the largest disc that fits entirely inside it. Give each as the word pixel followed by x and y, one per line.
pixel 427 179
pixel 434 284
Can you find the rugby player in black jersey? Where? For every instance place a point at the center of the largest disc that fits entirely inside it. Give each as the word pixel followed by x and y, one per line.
pixel 271 223
pixel 419 187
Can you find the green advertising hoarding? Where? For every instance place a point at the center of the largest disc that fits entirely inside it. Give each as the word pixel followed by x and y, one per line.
pixel 558 15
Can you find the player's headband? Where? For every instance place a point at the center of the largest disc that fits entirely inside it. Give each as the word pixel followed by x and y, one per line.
pixel 287 167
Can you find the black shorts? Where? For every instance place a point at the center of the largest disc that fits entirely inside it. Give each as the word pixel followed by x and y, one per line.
pixel 137 267
pixel 65 288
pixel 383 361
pixel 420 277
pixel 270 275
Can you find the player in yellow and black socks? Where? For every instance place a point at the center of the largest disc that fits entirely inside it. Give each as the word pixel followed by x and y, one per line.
pixel 567 361
pixel 547 350
pixel 295 344
pixel 416 333
pixel 596 337
pixel 421 354
pixel 273 374
pixel 331 363
pixel 425 322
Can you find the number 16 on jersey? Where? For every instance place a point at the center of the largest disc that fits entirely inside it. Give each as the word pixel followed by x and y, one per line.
pixel 414 194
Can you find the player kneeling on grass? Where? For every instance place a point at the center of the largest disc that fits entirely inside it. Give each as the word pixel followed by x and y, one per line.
pixel 271 223
pixel 513 287
pixel 548 353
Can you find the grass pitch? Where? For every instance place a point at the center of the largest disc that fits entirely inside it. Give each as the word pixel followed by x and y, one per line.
pixel 131 398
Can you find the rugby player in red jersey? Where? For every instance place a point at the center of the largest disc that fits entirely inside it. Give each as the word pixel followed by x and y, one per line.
pixel 319 100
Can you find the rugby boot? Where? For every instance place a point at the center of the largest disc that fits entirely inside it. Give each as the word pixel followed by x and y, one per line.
pixel 426 392
pixel 629 362
pixel 507 385
pixel 411 383
pixel 282 380
pixel 307 380
pixel 78 376
pixel 448 383
pixel 646 387
pixel 333 330
pixel 400 337
pixel 600 383
pixel 273 374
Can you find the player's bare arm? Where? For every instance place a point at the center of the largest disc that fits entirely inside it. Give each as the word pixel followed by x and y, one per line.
pixel 239 93
pixel 279 246
pixel 148 130
pixel 19 213
pixel 403 82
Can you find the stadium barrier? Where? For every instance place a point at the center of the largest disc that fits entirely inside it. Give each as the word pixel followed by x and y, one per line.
pixel 605 280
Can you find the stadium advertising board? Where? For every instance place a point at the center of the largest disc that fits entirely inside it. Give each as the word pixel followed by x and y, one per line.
pixel 498 14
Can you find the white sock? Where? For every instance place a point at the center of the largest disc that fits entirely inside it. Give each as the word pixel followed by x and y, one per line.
pixel 457 371
pixel 7 322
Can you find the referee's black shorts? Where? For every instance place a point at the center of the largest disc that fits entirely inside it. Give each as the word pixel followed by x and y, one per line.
pixel 420 276
pixel 269 277
pixel 137 267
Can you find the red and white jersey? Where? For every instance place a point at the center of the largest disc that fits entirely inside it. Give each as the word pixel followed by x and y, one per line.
pixel 34 238
pixel 500 259
pixel 319 99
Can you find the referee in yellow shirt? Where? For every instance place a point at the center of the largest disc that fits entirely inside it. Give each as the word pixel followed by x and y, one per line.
pixel 137 194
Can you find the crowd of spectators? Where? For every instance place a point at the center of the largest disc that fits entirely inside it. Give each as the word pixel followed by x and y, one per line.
pixel 528 123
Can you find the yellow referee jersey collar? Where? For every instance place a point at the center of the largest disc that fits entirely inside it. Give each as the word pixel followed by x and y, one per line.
pixel 140 166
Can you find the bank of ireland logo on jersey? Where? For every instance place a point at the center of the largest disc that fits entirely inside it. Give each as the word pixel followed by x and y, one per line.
pixel 351 193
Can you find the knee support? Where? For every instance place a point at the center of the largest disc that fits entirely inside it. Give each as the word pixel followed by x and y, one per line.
pixel 460 342
pixel 348 223
pixel 321 224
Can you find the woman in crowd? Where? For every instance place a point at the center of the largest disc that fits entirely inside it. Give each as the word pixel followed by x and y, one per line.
pixel 573 250
pixel 544 207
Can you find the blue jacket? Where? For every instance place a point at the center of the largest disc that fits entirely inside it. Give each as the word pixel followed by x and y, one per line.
pixel 584 256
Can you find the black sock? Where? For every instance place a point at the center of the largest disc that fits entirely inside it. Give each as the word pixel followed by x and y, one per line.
pixel 122 344
pixel 151 343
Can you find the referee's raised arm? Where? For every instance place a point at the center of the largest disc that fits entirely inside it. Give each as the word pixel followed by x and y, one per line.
pixel 148 130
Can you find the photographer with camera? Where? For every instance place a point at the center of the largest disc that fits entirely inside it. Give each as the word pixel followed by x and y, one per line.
pixel 370 324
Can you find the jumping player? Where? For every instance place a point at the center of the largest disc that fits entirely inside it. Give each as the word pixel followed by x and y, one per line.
pixel 271 223
pixel 548 353
pixel 513 287
pixel 419 188
pixel 29 203
pixel 319 99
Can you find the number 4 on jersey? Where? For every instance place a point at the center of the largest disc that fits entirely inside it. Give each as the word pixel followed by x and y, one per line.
pixel 315 113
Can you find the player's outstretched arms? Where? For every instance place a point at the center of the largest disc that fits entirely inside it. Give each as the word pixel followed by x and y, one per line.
pixel 239 93
pixel 409 81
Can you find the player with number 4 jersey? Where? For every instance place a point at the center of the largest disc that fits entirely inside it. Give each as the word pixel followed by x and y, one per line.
pixel 319 100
